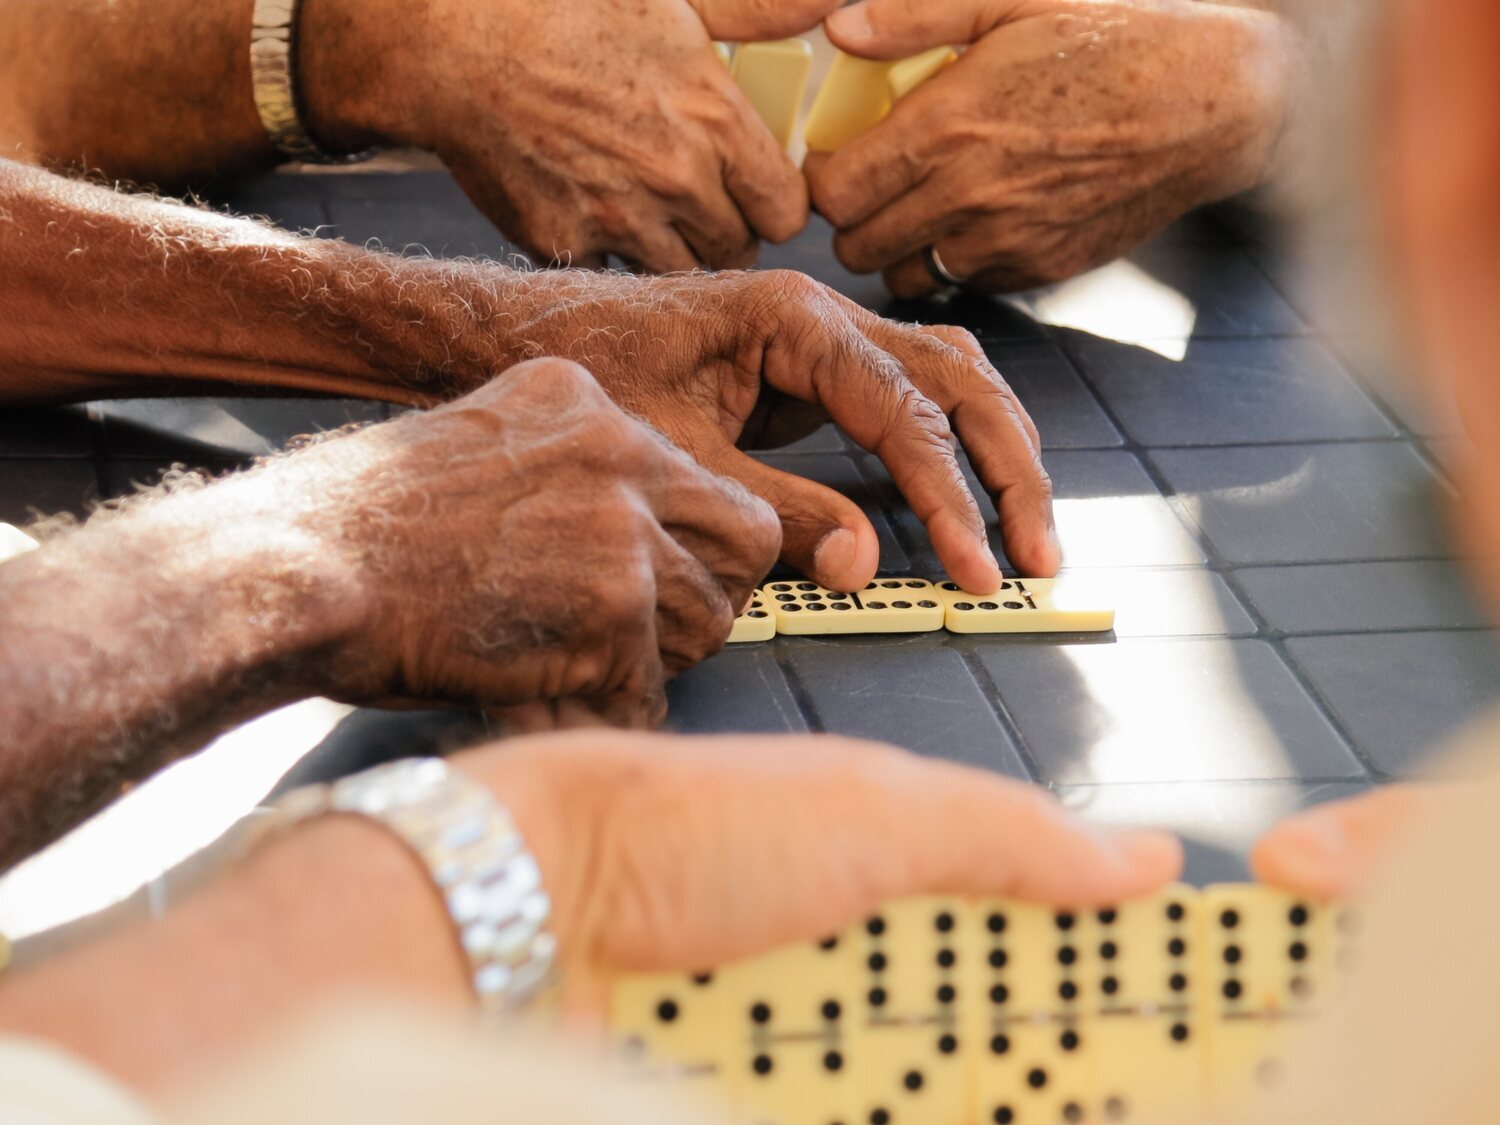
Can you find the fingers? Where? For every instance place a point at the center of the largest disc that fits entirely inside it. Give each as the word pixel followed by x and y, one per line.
pixel 964 831
pixel 870 393
pixel 753 21
pixel 823 534
pixel 1333 851
pixel 999 436
pixel 655 247
pixel 761 179
pixel 874 169
pixel 894 29
pixel 902 227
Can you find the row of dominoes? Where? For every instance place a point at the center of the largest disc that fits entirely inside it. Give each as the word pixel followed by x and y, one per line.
pixel 856 96
pixel 951 1012
pixel 914 605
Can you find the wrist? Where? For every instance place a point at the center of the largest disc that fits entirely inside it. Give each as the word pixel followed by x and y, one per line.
pixel 350 95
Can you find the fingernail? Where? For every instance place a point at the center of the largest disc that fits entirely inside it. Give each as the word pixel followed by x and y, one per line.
pixel 852 25
pixel 834 553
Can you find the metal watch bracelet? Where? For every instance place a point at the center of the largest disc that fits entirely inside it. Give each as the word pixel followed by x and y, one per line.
pixel 273 68
pixel 475 855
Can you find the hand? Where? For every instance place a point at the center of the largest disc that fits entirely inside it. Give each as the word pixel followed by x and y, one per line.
pixel 758 358
pixel 529 542
pixel 1068 132
pixel 1334 850
pixel 581 127
pixel 676 854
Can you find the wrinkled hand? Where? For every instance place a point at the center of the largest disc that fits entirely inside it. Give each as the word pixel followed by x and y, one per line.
pixel 761 358
pixel 1334 850
pixel 684 853
pixel 529 542
pixel 1068 132
pixel 580 127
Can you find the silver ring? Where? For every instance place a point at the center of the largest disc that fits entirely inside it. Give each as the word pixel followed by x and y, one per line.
pixel 940 273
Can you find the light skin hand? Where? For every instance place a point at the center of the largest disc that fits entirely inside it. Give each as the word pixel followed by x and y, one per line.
pixel 659 854
pixel 1335 850
pixel 1067 133
pixel 525 544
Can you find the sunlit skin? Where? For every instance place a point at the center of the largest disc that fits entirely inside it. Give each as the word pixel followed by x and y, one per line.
pixel 581 127
pixel 110 295
pixel 1069 132
pixel 659 855
pixel 1439 178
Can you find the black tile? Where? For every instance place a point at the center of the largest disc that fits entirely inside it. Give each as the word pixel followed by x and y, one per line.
pixel 1154 711
pixel 1229 391
pixel 1362 597
pixel 32 488
pixel 1066 414
pixel 61 431
pixel 739 690
pixel 218 428
pixel 1400 694
pixel 909 692
pixel 1310 503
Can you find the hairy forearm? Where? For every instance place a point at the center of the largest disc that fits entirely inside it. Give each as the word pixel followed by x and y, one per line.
pixel 106 295
pixel 142 635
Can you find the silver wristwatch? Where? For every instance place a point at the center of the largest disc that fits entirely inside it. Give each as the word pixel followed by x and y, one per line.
pixel 475 856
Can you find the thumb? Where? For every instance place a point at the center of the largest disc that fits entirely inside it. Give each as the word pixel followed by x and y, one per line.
pixel 894 29
pixel 752 21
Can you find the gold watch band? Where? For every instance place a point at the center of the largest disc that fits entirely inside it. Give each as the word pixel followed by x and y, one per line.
pixel 273 38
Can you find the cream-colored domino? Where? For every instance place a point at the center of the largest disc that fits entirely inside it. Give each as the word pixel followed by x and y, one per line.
pixel 859 93
pixel 1264 956
pixel 906 75
pixel 672 1026
pixel 773 76
pixel 886 605
pixel 757 623
pixel 791 1018
pixel 1024 605
pixel 1144 1032
pixel 909 1054
pixel 854 97
pixel 1031 975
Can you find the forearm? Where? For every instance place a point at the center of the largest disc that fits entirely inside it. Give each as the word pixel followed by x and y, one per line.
pixel 106 295
pixel 160 91
pixel 336 907
pixel 138 638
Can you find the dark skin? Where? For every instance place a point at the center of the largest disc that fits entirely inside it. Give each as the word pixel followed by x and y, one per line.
pixel 1069 132
pixel 178 301
pixel 416 560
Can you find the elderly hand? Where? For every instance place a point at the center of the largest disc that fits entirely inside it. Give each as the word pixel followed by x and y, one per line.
pixel 529 542
pixel 1068 132
pixel 760 358
pixel 665 854
pixel 581 127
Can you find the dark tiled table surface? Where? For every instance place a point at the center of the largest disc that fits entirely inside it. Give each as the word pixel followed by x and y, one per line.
pixel 1291 625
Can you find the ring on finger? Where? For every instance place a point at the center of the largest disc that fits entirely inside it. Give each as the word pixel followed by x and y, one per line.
pixel 941 273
